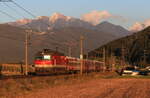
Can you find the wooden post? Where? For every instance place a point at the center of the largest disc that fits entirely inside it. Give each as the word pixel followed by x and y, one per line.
pixel 26 52
pixel 104 59
pixel 81 54
pixel 69 51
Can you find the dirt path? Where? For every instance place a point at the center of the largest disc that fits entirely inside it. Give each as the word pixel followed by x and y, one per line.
pixel 100 88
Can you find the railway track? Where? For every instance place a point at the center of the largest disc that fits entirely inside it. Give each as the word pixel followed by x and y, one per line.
pixel 47 75
pixel 34 76
pixel 15 77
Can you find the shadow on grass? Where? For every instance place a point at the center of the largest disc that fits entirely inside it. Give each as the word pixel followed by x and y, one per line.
pixel 134 77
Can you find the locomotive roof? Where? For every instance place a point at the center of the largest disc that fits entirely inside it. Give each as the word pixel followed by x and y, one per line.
pixel 49 52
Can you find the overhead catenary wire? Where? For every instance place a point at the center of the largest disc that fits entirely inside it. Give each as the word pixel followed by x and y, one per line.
pixel 23 9
pixel 5 13
pixel 62 48
pixel 30 13
pixel 54 43
pixel 13 9
pixel 28 26
pixel 18 5
pixel 33 17
pixel 5 0
pixel 7 37
pixel 60 41
pixel 14 18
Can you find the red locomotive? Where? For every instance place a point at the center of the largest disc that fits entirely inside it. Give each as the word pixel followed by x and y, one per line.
pixel 48 62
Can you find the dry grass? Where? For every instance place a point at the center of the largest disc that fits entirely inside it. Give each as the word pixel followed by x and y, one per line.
pixel 12 87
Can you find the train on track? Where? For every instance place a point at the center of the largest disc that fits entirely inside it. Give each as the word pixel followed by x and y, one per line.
pixel 52 62
pixel 49 61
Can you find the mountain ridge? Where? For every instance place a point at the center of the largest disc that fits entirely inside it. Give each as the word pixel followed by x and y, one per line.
pixel 134 47
pixel 12 41
pixel 58 20
pixel 63 33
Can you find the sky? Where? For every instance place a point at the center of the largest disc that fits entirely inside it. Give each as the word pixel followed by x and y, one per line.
pixel 131 11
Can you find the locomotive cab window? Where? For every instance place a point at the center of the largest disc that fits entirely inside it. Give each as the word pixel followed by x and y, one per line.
pixel 39 58
pixel 44 57
pixel 47 57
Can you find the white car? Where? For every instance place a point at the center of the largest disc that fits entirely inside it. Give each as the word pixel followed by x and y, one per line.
pixel 148 68
pixel 129 71
pixel 135 72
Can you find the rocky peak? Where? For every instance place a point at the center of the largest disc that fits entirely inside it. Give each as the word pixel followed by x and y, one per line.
pixel 57 16
pixel 42 18
pixel 20 22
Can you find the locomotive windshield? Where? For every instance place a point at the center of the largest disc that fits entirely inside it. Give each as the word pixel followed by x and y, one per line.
pixel 39 58
pixel 44 57
pixel 47 57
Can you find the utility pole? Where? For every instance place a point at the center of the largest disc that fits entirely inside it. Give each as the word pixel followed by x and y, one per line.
pixel 26 50
pixel 87 56
pixel 113 61
pixel 145 49
pixel 145 56
pixel 56 49
pixel 104 58
pixel 69 51
pixel 122 55
pixel 81 54
pixel 26 53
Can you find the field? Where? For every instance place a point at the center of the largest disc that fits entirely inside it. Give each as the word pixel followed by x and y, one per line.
pixel 96 85
pixel 101 88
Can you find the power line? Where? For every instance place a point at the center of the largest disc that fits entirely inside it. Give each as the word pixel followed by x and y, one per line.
pixel 29 14
pixel 8 15
pixel 13 9
pixel 5 0
pixel 23 9
pixel 28 27
pixel 7 37
pixel 62 40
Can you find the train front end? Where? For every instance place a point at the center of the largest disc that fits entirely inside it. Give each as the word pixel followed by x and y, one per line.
pixel 50 62
pixel 43 64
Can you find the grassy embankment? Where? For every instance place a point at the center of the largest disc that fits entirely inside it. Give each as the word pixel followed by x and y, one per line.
pixel 14 87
